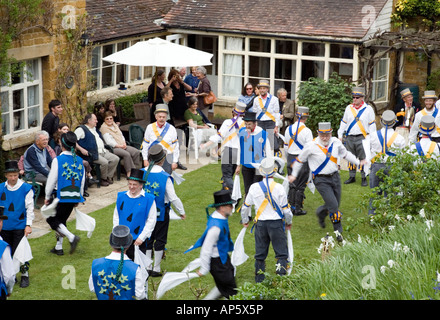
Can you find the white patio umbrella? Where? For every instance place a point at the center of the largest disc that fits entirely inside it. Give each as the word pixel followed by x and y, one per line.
pixel 158 52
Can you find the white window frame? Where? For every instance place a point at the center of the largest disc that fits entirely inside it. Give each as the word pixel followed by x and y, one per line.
pixel 24 85
pixel 298 57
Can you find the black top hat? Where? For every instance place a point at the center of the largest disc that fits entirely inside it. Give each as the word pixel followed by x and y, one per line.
pixel 137 175
pixel 222 198
pixel 2 216
pixel 121 237
pixel 11 166
pixel 122 86
pixel 250 116
pixel 68 140
pixel 156 153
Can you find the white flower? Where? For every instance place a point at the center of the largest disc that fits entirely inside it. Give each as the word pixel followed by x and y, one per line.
pixel 391 263
pixel 429 224
pixel 278 267
pixel 438 276
pixel 359 238
pixel 397 217
pixel 391 228
pixel 405 249
pixel 409 217
pixel 422 213
pixel 397 246
pixel 382 269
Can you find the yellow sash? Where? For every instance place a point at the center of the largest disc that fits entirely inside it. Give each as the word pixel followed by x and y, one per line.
pixel 293 137
pixel 325 152
pixel 389 143
pixel 266 112
pixel 431 149
pixel 231 136
pixel 265 202
pixel 358 122
pixel 162 141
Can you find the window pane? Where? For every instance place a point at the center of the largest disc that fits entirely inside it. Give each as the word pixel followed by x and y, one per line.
pixel 4 96
pixel 285 69
pixel 121 74
pixel 233 43
pixel 286 47
pixel 313 49
pixel 288 85
pixel 341 51
pixel 32 70
pixel 107 77
pixel 96 61
pixel 379 90
pixel 16 73
pixel 259 67
pixel 33 96
pixel 232 86
pixel 18 120
pixel 345 70
pixel 17 99
pixel 234 64
pixel 122 45
pixel 148 72
pixel 33 117
pixel 259 45
pixel 106 51
pixel 312 69
pixel 5 123
pixel 135 73
pixel 94 74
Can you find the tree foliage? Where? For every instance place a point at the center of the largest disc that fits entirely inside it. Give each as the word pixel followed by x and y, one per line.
pixel 408 11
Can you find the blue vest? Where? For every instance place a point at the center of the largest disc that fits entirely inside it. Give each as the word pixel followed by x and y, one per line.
pixel 89 143
pixel 156 185
pixel 3 289
pixel 70 175
pixel 15 206
pixel 224 244
pixel 104 279
pixel 252 148
pixel 133 212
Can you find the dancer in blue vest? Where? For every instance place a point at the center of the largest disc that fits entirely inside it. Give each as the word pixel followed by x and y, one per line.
pixel 215 244
pixel 67 176
pixel 160 184
pixel 116 277
pixel 322 155
pixel 296 136
pixel 273 216
pixel 7 273
pixel 17 197
pixel 136 209
pixel 384 142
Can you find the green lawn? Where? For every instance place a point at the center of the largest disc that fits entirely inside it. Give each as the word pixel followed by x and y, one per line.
pixel 66 277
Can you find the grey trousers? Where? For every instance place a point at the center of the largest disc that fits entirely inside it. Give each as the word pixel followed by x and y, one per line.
pixel 269 126
pixel 131 157
pixel 375 181
pixel 228 166
pixel 354 145
pixel 296 194
pixel 108 162
pixel 330 190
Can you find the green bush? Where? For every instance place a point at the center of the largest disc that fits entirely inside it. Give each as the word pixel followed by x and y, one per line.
pixel 127 103
pixel 326 100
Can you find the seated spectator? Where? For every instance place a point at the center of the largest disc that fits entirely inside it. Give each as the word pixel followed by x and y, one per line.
pixel 92 149
pixel 113 137
pixel 195 120
pixel 37 159
pixel 110 105
pixel 99 110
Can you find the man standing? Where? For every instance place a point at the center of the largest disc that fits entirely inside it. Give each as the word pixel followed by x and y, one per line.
pixel 136 210
pixel 429 99
pixel 67 177
pixel 17 197
pixel 322 156
pixel 297 136
pixel 381 142
pixel 287 108
pixel 7 274
pixel 426 146
pixel 254 146
pixel 163 134
pixel 116 277
pixel 91 145
pixel 160 184
pixel 216 243
pixel 406 109
pixel 37 160
pixel 51 120
pixel 273 217
pixel 227 136
pixel 267 108
pixel 358 122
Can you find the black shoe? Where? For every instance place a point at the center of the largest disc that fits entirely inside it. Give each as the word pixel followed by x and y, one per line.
pixel 181 167
pixel 350 180
pixel 339 238
pixel 24 282
pixel 73 244
pixel 86 194
pixel 364 182
pixel 155 273
pixel 57 252
pixel 299 212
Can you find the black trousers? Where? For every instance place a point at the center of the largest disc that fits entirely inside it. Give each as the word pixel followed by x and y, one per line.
pixel 64 209
pixel 250 176
pixel 223 275
pixel 228 166
pixel 13 238
pixel 159 236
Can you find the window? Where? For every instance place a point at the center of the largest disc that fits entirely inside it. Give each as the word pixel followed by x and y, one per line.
pixel 378 76
pixel 21 102
pixel 286 63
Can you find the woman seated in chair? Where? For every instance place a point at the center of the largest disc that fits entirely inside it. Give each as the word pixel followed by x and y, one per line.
pixel 195 121
pixel 113 137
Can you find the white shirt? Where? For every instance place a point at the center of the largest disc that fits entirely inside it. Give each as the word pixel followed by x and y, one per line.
pixel 170 138
pixel 209 248
pixel 368 120
pixel 415 127
pixel 314 156
pixel 7 271
pixel 80 134
pixel 228 136
pixel 425 143
pixel 256 197
pixel 28 200
pixel 273 108
pixel 304 136
pixel 149 224
pixel 141 277
pixel 376 147
pixel 52 178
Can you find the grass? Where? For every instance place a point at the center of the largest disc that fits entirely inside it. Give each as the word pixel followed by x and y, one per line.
pixel 66 277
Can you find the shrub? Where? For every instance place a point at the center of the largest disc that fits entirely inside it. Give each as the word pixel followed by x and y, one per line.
pixel 127 103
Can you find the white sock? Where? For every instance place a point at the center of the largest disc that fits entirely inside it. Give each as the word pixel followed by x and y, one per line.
pixel 63 230
pixel 214 294
pixel 157 260
pixel 59 245
pixel 149 255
